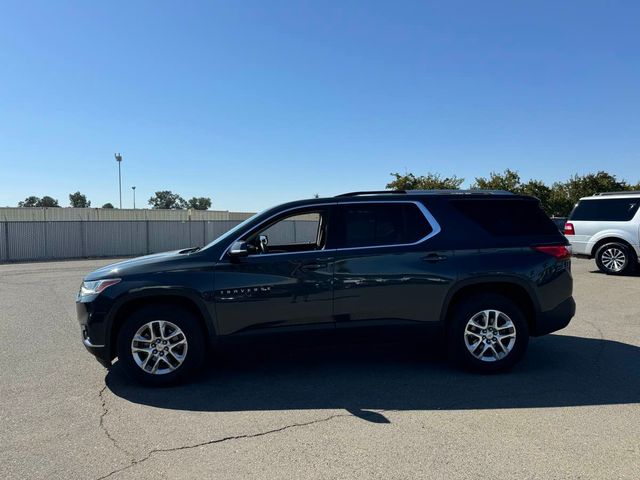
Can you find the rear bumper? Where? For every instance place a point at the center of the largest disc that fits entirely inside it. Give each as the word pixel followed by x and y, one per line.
pixel 555 319
pixel 579 247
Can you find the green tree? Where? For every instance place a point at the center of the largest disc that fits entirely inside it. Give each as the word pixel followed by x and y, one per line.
pixel 200 203
pixel 31 201
pixel 108 205
pixel 34 201
pixel 556 200
pixel 166 199
pixel 48 201
pixel 581 186
pixel 430 181
pixel 78 200
pixel 509 181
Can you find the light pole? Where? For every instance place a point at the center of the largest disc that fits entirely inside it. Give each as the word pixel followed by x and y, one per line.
pixel 119 160
pixel 134 196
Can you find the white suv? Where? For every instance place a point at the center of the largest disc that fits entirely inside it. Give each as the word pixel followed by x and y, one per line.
pixel 607 226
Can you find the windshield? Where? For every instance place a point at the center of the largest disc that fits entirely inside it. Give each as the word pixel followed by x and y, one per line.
pixel 230 233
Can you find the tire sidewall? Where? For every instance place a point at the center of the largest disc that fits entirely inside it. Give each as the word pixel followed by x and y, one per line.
pixel 181 318
pixel 467 309
pixel 629 258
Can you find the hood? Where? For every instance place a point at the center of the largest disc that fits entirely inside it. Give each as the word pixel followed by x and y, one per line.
pixel 155 262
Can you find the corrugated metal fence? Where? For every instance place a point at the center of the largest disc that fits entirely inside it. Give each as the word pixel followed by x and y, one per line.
pixel 47 240
pixel 39 214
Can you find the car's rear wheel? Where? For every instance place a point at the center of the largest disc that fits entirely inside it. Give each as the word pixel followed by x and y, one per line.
pixel 615 258
pixel 487 333
pixel 160 346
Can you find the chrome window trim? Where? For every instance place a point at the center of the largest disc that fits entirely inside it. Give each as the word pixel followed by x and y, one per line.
pixel 436 229
pixel 427 215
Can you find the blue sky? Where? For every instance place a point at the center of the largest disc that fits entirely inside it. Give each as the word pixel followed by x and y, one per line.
pixel 254 103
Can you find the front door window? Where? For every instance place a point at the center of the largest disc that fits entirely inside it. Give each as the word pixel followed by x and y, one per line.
pixel 297 232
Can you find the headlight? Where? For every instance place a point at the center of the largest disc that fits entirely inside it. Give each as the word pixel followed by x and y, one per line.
pixel 97 286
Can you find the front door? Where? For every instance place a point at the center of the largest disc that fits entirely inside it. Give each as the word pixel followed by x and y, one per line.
pixel 285 284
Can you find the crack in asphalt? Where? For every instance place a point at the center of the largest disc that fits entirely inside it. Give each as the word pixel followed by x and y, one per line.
pixel 134 462
pixel 104 428
pixel 149 454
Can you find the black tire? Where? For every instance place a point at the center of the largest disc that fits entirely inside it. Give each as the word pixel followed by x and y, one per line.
pixel 469 307
pixel 610 255
pixel 191 330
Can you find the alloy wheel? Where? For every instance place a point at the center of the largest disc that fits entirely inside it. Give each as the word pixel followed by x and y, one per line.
pixel 159 347
pixel 490 335
pixel 613 259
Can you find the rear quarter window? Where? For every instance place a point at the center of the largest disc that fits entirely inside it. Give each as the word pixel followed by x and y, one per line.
pixel 610 209
pixel 507 217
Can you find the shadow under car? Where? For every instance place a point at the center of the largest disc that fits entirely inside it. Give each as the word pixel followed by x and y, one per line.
pixel 557 371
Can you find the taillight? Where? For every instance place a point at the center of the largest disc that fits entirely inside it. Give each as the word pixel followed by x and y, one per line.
pixel 560 252
pixel 568 229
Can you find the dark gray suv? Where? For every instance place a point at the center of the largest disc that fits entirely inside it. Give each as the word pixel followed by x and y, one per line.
pixel 486 269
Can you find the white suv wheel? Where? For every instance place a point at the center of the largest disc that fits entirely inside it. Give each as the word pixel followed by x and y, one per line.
pixel 614 258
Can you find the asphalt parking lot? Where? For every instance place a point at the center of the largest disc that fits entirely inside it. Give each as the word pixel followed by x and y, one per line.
pixel 571 409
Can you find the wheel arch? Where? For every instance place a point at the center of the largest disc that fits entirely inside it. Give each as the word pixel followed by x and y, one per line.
pixel 611 239
pixel 131 303
pixel 511 289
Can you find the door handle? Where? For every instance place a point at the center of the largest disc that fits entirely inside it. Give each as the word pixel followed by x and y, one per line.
pixel 434 257
pixel 312 266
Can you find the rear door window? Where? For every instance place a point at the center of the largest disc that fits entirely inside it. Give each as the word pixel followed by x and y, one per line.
pixel 507 217
pixel 380 224
pixel 610 209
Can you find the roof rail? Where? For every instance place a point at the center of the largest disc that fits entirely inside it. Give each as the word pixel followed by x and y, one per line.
pixel 428 192
pixel 370 192
pixel 626 192
pixel 463 192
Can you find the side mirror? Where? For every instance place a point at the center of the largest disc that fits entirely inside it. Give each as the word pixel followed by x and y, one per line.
pixel 239 249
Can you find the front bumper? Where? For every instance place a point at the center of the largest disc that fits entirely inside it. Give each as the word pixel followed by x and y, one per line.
pixel 91 327
pixel 555 319
pixel 98 351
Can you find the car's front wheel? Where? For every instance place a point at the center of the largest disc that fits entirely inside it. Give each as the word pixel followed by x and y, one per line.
pixel 487 333
pixel 160 346
pixel 615 258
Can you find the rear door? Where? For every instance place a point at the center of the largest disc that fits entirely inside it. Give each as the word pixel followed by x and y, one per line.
pixel 387 271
